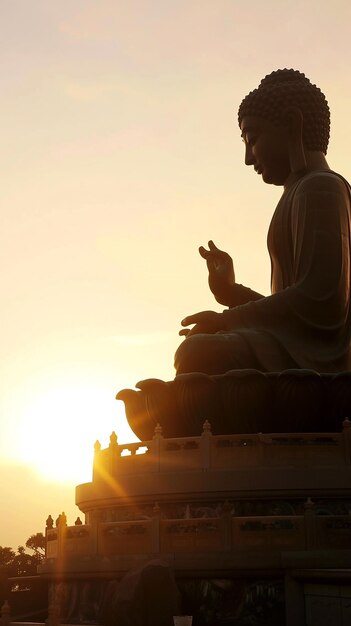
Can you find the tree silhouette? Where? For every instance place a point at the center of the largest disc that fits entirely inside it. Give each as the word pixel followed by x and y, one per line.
pixel 36 543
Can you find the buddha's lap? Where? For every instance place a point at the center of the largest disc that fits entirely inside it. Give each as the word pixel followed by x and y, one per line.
pixel 221 352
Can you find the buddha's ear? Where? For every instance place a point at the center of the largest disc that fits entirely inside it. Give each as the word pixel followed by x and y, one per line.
pixel 293 120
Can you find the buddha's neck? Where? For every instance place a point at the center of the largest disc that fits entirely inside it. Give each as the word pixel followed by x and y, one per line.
pixel 316 161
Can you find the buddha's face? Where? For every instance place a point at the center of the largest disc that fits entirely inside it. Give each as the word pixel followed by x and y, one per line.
pixel 266 148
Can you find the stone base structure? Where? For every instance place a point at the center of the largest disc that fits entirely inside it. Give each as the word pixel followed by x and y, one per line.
pixel 253 526
pixel 240 401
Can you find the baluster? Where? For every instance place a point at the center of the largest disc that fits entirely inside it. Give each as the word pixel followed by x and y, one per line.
pixel 205 444
pixel 346 431
pixel 5 614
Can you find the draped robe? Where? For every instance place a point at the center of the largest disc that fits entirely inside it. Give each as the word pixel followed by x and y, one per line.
pixel 306 321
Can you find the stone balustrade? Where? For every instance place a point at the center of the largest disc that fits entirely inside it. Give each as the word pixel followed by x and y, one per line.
pixel 210 452
pixel 193 499
pixel 227 532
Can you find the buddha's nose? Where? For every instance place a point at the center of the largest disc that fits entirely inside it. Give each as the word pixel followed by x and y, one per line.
pixel 249 158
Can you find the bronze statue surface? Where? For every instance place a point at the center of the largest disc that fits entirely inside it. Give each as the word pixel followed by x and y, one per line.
pixel 306 321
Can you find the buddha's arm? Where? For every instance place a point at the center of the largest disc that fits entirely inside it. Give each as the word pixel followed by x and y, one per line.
pixel 237 295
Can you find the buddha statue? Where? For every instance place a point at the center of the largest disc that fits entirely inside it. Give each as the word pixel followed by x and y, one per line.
pixel 305 324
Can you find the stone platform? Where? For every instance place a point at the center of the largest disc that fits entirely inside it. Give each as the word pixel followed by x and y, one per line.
pixel 269 510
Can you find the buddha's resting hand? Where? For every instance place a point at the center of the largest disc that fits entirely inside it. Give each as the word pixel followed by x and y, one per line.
pixel 208 322
pixel 221 276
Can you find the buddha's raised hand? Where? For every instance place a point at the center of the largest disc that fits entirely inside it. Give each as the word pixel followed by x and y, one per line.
pixel 221 276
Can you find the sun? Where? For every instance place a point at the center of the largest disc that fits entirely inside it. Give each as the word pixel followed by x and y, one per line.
pixel 60 425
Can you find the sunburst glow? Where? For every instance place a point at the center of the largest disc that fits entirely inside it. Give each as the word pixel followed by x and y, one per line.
pixel 61 425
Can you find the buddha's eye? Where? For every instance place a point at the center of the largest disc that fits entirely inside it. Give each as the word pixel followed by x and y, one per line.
pixel 251 141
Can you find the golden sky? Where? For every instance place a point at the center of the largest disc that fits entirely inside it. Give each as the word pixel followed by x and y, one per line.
pixel 120 155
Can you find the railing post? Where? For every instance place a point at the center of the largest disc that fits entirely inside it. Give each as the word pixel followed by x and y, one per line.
pixel 311 540
pixel 346 431
pixel 205 444
pixel 155 540
pixel 97 460
pixel 5 614
pixel 49 524
pixel 156 446
pixel 113 453
pixel 226 524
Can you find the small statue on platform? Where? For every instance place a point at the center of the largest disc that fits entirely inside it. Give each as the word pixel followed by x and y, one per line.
pixel 49 523
pixel 306 321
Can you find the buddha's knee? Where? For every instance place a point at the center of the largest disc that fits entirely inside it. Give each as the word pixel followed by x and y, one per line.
pixel 188 355
pixel 198 353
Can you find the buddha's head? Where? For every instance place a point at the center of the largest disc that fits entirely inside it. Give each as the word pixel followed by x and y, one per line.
pixel 283 119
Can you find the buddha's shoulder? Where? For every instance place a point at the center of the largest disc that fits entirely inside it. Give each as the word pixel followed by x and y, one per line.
pixel 325 181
